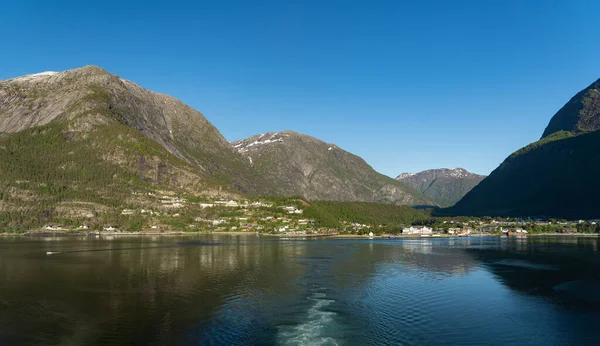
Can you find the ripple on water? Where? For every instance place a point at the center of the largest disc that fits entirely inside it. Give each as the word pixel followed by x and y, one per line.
pixel 315 329
pixel 525 264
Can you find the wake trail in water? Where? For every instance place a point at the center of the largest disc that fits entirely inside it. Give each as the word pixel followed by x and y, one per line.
pixel 132 248
pixel 314 330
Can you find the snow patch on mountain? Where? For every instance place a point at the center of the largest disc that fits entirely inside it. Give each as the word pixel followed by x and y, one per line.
pixel 34 76
pixel 247 144
pixel 405 175
pixel 458 173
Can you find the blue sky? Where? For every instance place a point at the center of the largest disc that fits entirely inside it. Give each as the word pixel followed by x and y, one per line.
pixel 407 85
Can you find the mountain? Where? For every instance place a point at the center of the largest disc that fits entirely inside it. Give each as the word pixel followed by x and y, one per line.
pixel 556 176
pixel 297 164
pixel 87 144
pixel 88 136
pixel 580 114
pixel 85 100
pixel 444 186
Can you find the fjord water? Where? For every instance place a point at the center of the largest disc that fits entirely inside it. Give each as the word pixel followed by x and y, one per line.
pixel 249 290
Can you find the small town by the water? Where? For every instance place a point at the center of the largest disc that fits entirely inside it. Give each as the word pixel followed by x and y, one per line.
pixel 174 214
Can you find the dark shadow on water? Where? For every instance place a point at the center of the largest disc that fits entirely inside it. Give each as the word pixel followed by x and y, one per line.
pixel 569 276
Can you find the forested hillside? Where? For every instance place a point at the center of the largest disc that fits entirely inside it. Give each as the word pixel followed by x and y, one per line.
pixel 333 214
pixel 556 176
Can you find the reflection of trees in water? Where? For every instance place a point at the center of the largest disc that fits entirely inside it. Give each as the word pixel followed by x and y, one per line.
pixel 155 289
pixel 537 265
pixel 149 293
pixel 161 290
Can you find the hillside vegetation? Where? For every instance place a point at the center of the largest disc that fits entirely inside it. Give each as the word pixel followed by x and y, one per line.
pixel 50 174
pixel 86 147
pixel 556 177
pixel 333 214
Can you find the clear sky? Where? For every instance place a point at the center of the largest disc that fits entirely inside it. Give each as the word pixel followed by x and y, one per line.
pixel 407 85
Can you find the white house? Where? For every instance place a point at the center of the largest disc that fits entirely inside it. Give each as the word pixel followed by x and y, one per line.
pixel 232 204
pixel 417 230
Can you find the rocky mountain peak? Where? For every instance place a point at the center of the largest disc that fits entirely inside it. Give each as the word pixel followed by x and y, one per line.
pixel 85 99
pixel 263 139
pixel 272 139
pixel 301 165
pixel 580 114
pixel 439 172
pixel 404 176
pixel 443 185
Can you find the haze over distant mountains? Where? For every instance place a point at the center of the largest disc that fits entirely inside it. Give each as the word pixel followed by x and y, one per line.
pixel 556 176
pixel 444 186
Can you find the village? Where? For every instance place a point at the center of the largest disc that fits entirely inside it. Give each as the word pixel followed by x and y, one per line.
pixel 167 213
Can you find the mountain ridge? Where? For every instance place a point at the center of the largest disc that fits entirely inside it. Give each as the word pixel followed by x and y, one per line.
pixel 580 114
pixel 88 97
pixel 443 185
pixel 89 137
pixel 555 176
pixel 303 165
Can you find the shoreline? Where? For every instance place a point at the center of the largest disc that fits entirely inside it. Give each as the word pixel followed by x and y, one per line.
pixel 591 235
pixel 126 234
pixel 334 236
pixel 387 236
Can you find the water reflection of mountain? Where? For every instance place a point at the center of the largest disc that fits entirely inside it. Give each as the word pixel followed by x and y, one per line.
pixel 567 269
pixel 231 289
pixel 98 291
pixel 142 288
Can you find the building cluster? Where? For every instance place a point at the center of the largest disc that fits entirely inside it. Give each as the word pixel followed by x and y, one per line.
pixel 417 230
pixel 167 210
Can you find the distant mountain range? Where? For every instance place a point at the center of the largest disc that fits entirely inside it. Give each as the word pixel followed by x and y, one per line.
pixel 556 176
pixel 85 140
pixel 444 186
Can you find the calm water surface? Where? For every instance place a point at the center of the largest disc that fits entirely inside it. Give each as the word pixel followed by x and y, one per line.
pixel 250 290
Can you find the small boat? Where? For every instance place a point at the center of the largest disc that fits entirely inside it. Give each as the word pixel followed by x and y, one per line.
pixel 516 234
pixel 370 235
